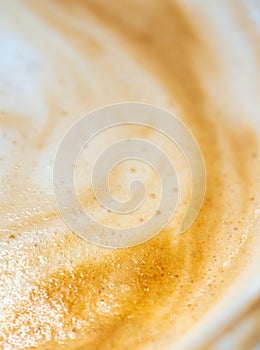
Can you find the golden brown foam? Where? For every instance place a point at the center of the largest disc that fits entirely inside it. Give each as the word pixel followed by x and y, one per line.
pixel 130 297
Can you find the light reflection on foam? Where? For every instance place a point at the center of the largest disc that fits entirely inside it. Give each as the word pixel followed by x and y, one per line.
pixel 21 72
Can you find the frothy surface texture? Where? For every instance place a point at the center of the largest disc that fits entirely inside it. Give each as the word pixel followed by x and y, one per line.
pixel 59 60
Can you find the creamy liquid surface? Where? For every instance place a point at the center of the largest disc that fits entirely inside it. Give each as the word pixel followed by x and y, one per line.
pixel 58 61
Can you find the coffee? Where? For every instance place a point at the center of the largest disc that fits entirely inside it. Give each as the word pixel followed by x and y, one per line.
pixel 60 60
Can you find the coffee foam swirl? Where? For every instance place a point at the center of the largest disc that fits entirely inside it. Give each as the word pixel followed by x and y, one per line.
pixel 66 60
